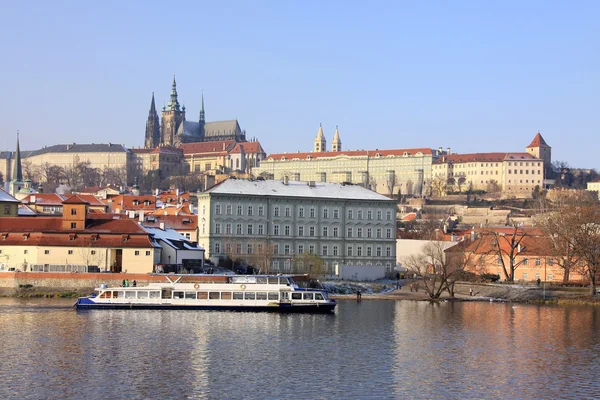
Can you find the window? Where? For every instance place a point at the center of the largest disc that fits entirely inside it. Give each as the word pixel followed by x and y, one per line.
pixel 301 212
pixel 25 251
pixel 324 250
pixel 359 214
pixel 336 213
pixel 300 249
pixel 70 252
pixel 286 230
pixel 378 251
pixel 350 214
pixel 218 209
pixel 261 211
pixel 228 209
pixel 73 211
pixel 538 262
pixel 369 214
pixel 312 212
pixel 250 229
pixel 276 211
pixel 217 247
pixel 288 212
pixel 217 228
pixel 525 261
pixel 379 214
pixel 137 252
pixel 551 262
pixel 7 209
pixel 228 229
pixel 147 252
pixel 238 229
pixel 325 213
pixel 311 231
pixel 325 231
pixel 349 232
pixel 311 249
pixel 388 251
pixel 286 249
pixel 369 233
pixel 275 249
pixel 300 231
pixel 335 250
pixel 359 251
pixel 249 248
pixel 239 210
pixel 73 225
pixel 388 233
pixel 261 229
pixel 336 231
pixel 388 215
pixel 369 251
pixel 359 232
pixel 499 260
pixel 250 210
pixel 378 233
pixel 46 251
pixel 276 230
pixel 550 277
pixel 349 251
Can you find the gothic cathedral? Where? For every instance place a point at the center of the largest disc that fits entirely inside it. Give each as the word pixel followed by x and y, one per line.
pixel 173 129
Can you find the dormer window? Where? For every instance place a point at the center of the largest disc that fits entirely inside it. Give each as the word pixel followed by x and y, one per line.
pixel 25 236
pixel 4 236
pixel 147 202
pixel 72 236
pixel 94 237
pixel 136 203
pixel 124 238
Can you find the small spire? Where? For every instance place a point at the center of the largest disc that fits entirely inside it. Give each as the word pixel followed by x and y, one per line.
pixel 202 119
pixel 173 104
pixel 18 170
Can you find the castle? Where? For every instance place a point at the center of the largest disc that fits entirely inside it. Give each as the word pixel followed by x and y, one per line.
pixel 173 129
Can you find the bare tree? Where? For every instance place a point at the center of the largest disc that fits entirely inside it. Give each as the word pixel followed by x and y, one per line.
pixel 460 182
pixel 506 247
pixel 309 263
pixel 263 256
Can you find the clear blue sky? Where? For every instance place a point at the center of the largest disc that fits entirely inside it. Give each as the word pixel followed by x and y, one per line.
pixel 477 76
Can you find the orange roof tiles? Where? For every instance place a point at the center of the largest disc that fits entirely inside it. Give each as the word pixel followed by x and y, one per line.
pixel 349 153
pixel 538 141
pixel 207 147
pixel 483 157
pixel 249 148
pixel 75 199
pixel 44 199
pixel 177 222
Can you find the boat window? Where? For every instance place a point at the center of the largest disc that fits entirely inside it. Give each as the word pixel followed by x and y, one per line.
pixel 178 295
pixel 261 280
pixel 120 293
pixel 130 294
pixel 273 295
pixel 296 296
pixel 273 281
pixel 249 295
pixel 190 295
pixel 202 295
pixel 319 296
pixel 214 295
pixel 155 294
pixel 225 295
pixel 105 295
pixel 238 295
pixel 261 296
pixel 283 281
pixel 142 294
pixel 308 296
pixel 166 293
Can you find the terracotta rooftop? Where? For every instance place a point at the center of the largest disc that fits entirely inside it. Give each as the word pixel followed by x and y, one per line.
pixel 349 153
pixel 208 147
pixel 249 148
pixel 44 199
pixel 177 222
pixel 75 199
pixel 483 157
pixel 538 141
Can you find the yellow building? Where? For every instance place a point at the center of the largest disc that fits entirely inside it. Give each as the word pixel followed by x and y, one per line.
pixel 168 160
pixel 224 156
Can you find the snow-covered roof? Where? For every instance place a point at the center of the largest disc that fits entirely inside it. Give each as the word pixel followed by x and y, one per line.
pixel 25 211
pixel 172 238
pixel 323 190
pixel 5 197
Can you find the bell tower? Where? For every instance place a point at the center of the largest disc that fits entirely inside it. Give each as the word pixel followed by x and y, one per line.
pixel 172 118
pixel 320 142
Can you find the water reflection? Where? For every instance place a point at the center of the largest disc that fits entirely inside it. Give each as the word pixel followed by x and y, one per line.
pixel 371 349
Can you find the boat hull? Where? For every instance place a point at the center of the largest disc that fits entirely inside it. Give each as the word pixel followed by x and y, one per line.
pixel 85 304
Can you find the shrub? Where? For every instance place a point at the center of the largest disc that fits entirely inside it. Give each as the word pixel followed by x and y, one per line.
pixel 490 277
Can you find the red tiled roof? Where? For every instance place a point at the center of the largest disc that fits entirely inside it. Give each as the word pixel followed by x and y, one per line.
pixel 172 196
pixel 177 222
pixel 349 153
pixel 75 240
pixel 92 200
pixel 161 149
pixel 182 210
pixel 44 199
pixel 207 147
pixel 75 199
pixel 538 141
pixel 54 225
pixel 249 148
pixel 126 202
pixel 483 157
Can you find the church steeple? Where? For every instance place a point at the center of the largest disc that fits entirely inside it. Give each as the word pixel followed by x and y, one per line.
pixel 202 121
pixel 16 182
pixel 320 142
pixel 173 104
pixel 336 144
pixel 152 127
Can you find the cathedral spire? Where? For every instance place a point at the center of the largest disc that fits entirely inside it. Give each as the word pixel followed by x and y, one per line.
pixel 152 138
pixel 336 143
pixel 173 104
pixel 18 170
pixel 202 120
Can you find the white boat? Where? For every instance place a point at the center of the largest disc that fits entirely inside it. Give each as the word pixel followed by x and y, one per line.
pixel 222 292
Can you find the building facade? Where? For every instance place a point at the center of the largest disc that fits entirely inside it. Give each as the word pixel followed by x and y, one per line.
pixel 222 157
pixel 343 224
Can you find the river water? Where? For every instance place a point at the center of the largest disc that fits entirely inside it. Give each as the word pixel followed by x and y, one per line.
pixel 380 349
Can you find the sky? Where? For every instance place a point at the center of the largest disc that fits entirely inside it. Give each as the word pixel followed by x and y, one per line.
pixel 475 76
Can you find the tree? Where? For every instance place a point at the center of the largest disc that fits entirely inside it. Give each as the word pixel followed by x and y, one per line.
pixel 437 271
pixel 506 247
pixel 586 242
pixel 263 256
pixel 450 183
pixel 309 263
pixel 391 181
pixel 460 182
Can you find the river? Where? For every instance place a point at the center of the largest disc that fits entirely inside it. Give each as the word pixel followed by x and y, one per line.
pixel 375 349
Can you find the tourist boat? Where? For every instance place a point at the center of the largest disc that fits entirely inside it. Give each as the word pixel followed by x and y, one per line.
pixel 226 292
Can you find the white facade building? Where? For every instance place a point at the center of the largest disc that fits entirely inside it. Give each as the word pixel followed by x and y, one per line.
pixel 344 224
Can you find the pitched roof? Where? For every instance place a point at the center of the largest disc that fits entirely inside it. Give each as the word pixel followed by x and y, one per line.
pixel 273 188
pixel 127 202
pixel 350 153
pixel 538 141
pixel 44 199
pixel 78 148
pixel 177 222
pixel 221 146
pixel 75 199
pixel 249 148
pixel 7 198
pixel 483 157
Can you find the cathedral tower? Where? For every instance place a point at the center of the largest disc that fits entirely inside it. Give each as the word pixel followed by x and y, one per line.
pixel 320 142
pixel 336 144
pixel 152 127
pixel 172 117
pixel 202 121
